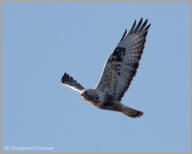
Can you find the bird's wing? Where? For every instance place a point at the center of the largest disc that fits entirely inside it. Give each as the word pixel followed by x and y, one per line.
pixel 71 83
pixel 122 65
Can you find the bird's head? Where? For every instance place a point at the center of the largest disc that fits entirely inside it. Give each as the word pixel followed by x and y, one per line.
pixel 90 95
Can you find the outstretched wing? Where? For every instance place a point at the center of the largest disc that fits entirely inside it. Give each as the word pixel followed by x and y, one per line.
pixel 71 83
pixel 122 65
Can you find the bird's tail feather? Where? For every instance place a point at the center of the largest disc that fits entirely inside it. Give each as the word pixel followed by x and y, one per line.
pixel 130 112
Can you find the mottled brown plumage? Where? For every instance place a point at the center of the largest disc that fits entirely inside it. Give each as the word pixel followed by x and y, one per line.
pixel 118 73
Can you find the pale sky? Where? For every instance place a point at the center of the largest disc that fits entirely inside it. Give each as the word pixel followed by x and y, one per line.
pixel 41 41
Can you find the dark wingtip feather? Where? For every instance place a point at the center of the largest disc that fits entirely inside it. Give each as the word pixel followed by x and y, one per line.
pixel 148 27
pixel 144 24
pixel 124 35
pixel 138 25
pixel 133 26
pixel 65 78
pixel 69 81
pixel 139 28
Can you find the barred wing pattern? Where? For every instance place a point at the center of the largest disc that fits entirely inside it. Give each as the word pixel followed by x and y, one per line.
pixel 71 83
pixel 122 65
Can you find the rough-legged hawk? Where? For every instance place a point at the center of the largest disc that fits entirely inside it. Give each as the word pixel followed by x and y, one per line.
pixel 118 73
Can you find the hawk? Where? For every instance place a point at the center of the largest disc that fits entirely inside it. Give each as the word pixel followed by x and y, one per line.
pixel 118 73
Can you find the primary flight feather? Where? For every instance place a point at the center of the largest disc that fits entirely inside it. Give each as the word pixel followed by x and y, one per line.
pixel 118 73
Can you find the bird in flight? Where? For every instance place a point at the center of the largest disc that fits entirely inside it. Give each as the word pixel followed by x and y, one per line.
pixel 118 73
